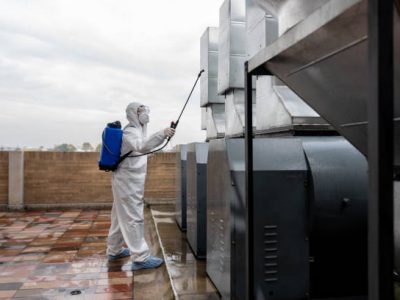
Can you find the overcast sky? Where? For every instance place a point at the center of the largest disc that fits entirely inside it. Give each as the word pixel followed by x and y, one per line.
pixel 68 67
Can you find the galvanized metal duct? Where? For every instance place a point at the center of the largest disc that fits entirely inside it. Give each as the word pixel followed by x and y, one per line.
pixel 234 113
pixel 323 59
pixel 261 28
pixel 278 108
pixel 203 124
pixel 215 121
pixel 209 63
pixel 290 12
pixel 213 111
pixel 231 45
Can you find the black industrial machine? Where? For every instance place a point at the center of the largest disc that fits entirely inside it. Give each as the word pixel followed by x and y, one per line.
pixel 325 54
pixel 309 216
pixel 196 189
pixel 310 238
pixel 180 202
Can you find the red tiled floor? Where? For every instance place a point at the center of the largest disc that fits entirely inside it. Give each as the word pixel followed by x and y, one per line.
pixel 51 254
pixel 112 288
pixel 59 256
pixel 114 296
pixel 7 294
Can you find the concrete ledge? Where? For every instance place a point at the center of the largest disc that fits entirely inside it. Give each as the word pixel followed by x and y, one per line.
pixel 69 206
pixel 158 201
pixel 150 202
pixel 187 275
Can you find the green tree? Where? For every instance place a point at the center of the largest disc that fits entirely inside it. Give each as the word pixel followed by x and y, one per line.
pixel 65 148
pixel 87 146
pixel 98 148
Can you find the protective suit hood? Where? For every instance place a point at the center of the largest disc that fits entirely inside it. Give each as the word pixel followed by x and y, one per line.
pixel 133 117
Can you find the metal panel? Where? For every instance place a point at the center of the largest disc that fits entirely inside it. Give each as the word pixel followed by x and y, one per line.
pixel 196 197
pixel 262 35
pixel 261 28
pixel 331 74
pixel 280 173
pixel 338 217
pixel 254 14
pixel 225 228
pixel 280 247
pixel 279 107
pixel 209 63
pixel 219 193
pixel 290 12
pixel 234 113
pixel 231 45
pixel 203 118
pixel 215 121
pixel 180 202
pixel 235 155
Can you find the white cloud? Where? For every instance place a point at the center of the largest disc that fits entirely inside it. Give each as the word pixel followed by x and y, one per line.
pixel 68 67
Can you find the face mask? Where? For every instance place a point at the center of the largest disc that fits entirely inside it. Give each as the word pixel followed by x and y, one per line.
pixel 144 118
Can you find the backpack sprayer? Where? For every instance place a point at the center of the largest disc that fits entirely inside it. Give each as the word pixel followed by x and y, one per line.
pixel 110 154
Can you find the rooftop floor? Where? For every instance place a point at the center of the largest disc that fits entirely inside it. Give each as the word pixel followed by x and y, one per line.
pixel 61 255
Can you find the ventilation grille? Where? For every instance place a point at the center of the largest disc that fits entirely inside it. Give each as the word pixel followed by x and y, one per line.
pixel 270 253
pixel 221 245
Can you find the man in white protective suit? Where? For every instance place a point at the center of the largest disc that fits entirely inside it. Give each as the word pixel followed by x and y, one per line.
pixel 128 189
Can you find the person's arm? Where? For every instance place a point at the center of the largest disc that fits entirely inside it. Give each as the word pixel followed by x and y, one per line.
pixel 134 143
pixel 153 141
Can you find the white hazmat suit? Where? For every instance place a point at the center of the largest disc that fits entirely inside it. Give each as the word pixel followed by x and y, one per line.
pixel 128 188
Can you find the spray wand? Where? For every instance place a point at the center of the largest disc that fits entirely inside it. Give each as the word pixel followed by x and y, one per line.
pixel 173 124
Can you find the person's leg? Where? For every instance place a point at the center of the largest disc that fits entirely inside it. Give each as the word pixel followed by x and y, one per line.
pixel 115 239
pixel 129 211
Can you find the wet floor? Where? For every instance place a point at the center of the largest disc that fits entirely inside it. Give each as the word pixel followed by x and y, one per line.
pixel 61 255
pixel 188 275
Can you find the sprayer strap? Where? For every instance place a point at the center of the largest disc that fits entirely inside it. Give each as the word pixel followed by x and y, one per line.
pixel 122 158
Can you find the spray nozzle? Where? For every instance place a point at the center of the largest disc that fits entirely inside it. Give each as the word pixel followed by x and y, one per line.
pixel 173 124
